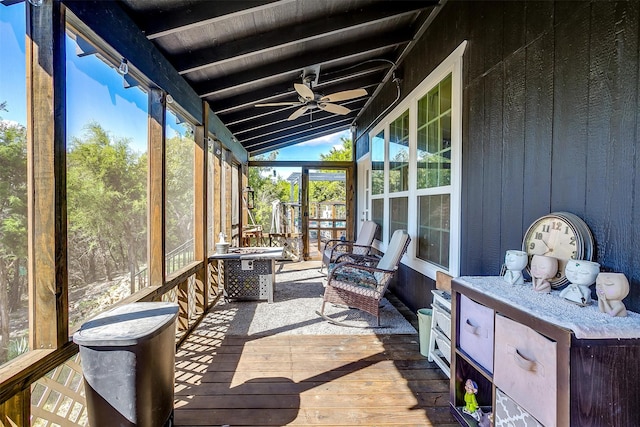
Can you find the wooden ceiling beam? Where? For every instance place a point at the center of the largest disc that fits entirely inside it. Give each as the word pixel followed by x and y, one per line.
pixel 250 112
pixel 294 34
pixel 278 129
pixel 360 78
pixel 305 134
pixel 258 125
pixel 163 23
pixel 327 55
pixel 286 142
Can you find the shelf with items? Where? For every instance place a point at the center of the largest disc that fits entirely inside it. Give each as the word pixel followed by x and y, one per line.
pixel 534 350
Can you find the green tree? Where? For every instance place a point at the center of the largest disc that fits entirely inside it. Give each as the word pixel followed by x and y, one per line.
pixel 344 153
pixel 328 191
pixel 106 198
pixel 180 196
pixel 13 223
pixel 266 191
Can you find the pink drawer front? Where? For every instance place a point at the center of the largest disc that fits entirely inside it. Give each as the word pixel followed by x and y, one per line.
pixel 476 332
pixel 526 369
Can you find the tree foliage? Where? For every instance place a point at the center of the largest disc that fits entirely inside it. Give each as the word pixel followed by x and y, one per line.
pixel 106 205
pixel 180 193
pixel 13 223
pixel 266 191
pixel 330 191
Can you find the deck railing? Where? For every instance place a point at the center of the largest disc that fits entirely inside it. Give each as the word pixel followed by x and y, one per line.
pixel 47 387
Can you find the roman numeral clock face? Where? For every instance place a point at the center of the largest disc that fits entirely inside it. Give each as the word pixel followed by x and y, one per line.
pixel 559 235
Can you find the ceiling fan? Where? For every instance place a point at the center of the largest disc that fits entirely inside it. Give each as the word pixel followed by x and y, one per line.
pixel 308 100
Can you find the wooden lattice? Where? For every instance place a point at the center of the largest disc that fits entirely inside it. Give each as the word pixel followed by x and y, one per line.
pixel 57 399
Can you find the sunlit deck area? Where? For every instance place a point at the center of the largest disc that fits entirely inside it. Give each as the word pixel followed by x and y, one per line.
pixel 294 375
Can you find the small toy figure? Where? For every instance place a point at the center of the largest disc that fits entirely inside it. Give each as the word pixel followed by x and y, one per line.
pixel 612 288
pixel 515 261
pixel 470 403
pixel 581 274
pixel 543 268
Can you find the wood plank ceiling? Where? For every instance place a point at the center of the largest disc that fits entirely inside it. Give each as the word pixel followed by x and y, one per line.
pixel 236 54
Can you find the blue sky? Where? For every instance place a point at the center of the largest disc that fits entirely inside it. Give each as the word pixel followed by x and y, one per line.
pixel 95 92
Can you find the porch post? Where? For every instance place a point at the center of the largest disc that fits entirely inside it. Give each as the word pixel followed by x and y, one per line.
pixel 200 169
pixel 46 175
pixel 156 196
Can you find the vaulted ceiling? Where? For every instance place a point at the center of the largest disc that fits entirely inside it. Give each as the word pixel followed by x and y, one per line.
pixel 236 54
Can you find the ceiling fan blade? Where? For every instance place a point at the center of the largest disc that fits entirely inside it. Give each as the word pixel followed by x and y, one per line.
pixel 304 91
pixel 277 104
pixel 334 108
pixel 344 95
pixel 300 111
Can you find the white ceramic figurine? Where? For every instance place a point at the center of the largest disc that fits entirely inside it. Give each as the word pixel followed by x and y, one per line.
pixel 543 268
pixel 515 261
pixel 612 288
pixel 580 274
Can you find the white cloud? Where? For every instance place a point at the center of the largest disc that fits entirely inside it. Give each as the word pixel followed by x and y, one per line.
pixel 333 139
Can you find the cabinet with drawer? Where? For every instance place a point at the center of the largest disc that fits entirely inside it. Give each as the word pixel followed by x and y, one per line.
pixel 530 367
pixel 440 337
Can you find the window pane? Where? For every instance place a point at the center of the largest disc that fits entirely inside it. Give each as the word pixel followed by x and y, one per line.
pixel 399 154
pixel 179 180
pixel 14 320
pixel 398 214
pixel 377 216
pixel 106 184
pixel 434 137
pixel 377 164
pixel 434 228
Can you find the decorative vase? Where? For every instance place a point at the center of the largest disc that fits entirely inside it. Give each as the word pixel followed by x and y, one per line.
pixel 611 289
pixel 580 274
pixel 543 268
pixel 515 261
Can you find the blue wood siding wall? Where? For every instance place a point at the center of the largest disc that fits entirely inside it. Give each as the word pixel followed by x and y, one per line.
pixel 551 122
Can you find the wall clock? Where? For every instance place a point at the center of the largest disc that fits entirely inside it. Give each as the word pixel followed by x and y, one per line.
pixel 561 235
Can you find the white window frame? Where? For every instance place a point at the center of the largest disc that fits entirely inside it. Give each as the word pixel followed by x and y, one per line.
pixel 451 65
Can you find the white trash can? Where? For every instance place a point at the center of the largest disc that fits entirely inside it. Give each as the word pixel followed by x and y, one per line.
pixel 424 329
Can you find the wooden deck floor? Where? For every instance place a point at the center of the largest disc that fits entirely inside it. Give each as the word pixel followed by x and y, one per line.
pixel 345 380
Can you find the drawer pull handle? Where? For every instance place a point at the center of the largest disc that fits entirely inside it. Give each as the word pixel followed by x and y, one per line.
pixel 523 362
pixel 470 328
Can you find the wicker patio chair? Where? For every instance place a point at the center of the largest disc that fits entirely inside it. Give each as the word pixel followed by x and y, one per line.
pixel 362 286
pixel 361 246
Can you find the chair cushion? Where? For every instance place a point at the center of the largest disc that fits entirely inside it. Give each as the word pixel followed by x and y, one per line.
pixel 355 276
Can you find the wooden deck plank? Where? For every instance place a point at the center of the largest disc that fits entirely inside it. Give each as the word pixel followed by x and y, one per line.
pixel 308 380
pixel 310 416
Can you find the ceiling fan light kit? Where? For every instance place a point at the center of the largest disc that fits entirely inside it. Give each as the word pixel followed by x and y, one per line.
pixel 308 100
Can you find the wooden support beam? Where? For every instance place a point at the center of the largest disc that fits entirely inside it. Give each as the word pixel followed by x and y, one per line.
pixel 268 71
pixel 199 14
pixel 243 182
pixel 200 175
pixel 46 171
pixel 352 217
pixel 16 411
pixel 304 187
pixel 217 190
pixel 156 188
pixel 227 202
pixel 281 37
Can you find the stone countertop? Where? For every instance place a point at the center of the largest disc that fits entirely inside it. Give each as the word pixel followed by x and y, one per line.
pixel 585 322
